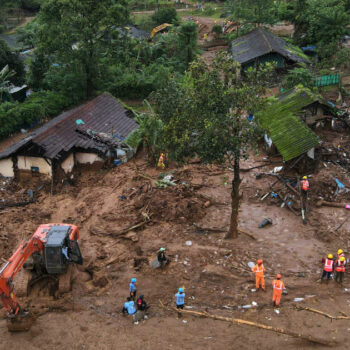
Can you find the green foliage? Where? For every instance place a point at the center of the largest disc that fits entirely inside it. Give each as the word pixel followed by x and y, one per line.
pixel 299 76
pixel 165 15
pixel 16 115
pixel 188 36
pixel 318 22
pixel 217 29
pixel 255 12
pixel 5 75
pixel 75 32
pixel 7 57
pixel 148 132
pixel 342 58
pixel 27 34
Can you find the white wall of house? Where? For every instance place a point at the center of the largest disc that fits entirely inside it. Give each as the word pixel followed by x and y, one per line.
pixel 6 167
pixel 87 158
pixel 68 164
pixel 26 163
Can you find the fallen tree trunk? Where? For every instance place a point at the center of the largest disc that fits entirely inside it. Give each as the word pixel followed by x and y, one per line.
pixel 321 203
pixel 253 324
pixel 322 313
pixel 18 204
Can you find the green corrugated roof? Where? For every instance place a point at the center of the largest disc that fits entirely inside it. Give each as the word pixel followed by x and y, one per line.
pixel 282 124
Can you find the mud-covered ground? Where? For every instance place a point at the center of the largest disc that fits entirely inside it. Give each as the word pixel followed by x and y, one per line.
pixel 214 271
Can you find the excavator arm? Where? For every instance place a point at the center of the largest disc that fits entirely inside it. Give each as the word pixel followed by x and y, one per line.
pixel 11 268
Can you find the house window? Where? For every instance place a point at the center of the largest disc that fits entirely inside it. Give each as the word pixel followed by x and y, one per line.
pixel 34 169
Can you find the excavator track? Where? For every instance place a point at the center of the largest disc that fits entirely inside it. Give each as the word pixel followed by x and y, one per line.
pixel 65 280
pixel 21 282
pixel 20 323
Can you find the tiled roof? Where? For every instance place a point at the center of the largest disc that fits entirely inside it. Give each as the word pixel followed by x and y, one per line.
pixel 260 42
pixel 58 136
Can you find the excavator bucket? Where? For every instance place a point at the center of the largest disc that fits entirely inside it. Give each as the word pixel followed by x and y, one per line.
pixel 20 323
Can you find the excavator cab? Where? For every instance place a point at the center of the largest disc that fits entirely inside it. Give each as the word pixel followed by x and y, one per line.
pixel 59 250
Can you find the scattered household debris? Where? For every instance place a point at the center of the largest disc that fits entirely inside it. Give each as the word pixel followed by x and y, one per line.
pixel 265 222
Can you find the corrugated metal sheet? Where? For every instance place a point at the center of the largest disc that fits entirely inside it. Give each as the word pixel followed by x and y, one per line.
pixel 58 136
pixel 260 42
pixel 281 121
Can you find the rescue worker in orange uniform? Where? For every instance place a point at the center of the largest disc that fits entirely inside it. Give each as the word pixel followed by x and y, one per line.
pixel 340 269
pixel 328 267
pixel 304 187
pixel 259 270
pixel 278 287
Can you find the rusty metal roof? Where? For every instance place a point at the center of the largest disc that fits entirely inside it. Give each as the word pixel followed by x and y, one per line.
pixel 59 136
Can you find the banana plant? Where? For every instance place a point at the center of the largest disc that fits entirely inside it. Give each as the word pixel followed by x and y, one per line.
pixel 5 75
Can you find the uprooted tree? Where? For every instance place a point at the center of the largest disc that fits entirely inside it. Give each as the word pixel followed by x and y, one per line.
pixel 205 115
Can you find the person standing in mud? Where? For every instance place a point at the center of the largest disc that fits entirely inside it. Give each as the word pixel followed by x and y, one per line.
pixel 278 287
pixel 132 288
pixel 340 269
pixel 180 300
pixel 304 188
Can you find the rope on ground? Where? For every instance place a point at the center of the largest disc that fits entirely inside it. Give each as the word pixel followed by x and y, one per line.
pixel 304 308
pixel 252 324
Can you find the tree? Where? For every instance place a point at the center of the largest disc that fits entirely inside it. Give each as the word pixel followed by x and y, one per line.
pixel 76 33
pixel 318 22
pixel 188 36
pixel 255 12
pixel 7 57
pixel 207 117
pixel 299 76
pixel 165 15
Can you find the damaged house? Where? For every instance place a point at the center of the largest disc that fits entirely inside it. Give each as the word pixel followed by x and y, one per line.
pixel 92 133
pixel 260 46
pixel 288 119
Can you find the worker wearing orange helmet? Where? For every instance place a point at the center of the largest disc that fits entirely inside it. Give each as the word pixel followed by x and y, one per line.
pixel 259 270
pixel 278 287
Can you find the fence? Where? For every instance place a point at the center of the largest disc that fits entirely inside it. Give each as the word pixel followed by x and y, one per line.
pixel 326 80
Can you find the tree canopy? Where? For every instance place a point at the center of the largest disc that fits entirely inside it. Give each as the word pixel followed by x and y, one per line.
pixel 74 33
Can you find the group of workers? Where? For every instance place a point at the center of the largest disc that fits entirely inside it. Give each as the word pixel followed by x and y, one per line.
pixel 331 265
pixel 277 284
pixel 129 306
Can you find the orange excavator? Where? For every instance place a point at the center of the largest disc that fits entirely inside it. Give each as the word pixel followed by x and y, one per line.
pixel 50 252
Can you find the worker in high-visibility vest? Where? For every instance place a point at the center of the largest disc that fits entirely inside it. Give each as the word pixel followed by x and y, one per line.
pixel 305 187
pixel 278 287
pixel 259 270
pixel 328 267
pixel 340 269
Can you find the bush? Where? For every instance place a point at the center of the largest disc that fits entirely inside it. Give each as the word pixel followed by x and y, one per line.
pixel 342 58
pixel 165 15
pixel 15 115
pixel 217 29
pixel 299 76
